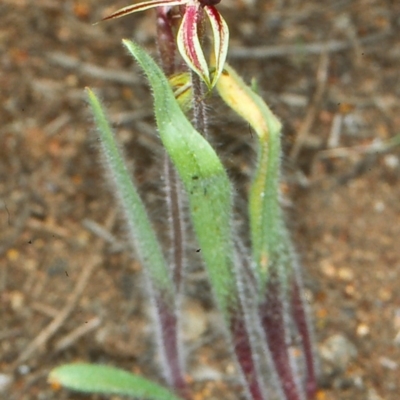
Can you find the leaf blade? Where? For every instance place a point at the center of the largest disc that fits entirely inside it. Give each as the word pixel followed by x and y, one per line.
pixel 268 233
pixel 145 241
pixel 204 178
pixel 92 378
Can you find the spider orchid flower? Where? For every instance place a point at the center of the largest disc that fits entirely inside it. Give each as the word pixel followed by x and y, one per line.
pixel 188 41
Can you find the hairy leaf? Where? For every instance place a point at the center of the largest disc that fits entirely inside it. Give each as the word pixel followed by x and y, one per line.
pixel 91 378
pixel 204 178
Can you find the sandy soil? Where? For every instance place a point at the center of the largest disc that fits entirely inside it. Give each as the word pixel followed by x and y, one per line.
pixel 69 287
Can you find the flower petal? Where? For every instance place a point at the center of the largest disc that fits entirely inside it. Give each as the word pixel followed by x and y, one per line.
pixel 145 5
pixel 189 44
pixel 221 40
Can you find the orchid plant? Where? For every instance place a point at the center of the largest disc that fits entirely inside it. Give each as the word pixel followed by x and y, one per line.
pixel 258 290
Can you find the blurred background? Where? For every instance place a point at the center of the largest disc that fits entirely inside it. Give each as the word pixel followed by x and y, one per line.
pixel 70 289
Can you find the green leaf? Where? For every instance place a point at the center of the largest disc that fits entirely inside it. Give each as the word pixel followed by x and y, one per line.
pixel 268 233
pixel 146 245
pixel 103 379
pixel 204 178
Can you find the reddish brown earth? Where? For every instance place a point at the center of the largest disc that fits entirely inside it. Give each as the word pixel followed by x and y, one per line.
pixel 61 236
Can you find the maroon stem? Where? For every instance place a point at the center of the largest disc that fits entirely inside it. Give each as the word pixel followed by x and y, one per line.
pixel 300 318
pixel 200 121
pixel 167 312
pixel 273 323
pixel 166 39
pixel 169 334
pixel 176 222
pixel 243 351
pixel 167 48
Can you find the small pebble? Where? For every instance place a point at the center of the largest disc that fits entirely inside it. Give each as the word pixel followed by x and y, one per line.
pixel 328 269
pixel 24 369
pixel 5 381
pixel 379 206
pixel 346 274
pixel 205 373
pixel 336 353
pixel 17 300
pixel 391 161
pixel 362 330
pixel 388 363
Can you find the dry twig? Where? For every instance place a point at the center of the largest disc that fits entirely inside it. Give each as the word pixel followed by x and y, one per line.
pixel 76 334
pixel 88 267
pixel 43 337
pixel 93 71
pixel 322 76
pixel 263 52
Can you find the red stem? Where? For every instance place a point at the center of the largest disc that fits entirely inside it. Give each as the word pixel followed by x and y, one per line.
pixel 169 335
pixel 243 351
pixel 168 313
pixel 166 39
pixel 273 323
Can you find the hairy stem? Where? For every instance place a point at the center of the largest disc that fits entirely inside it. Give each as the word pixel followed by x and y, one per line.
pixel 166 40
pixel 176 222
pixel 241 324
pixel 273 322
pixel 169 314
pixel 169 332
pixel 243 351
pixel 200 121
pixel 301 321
